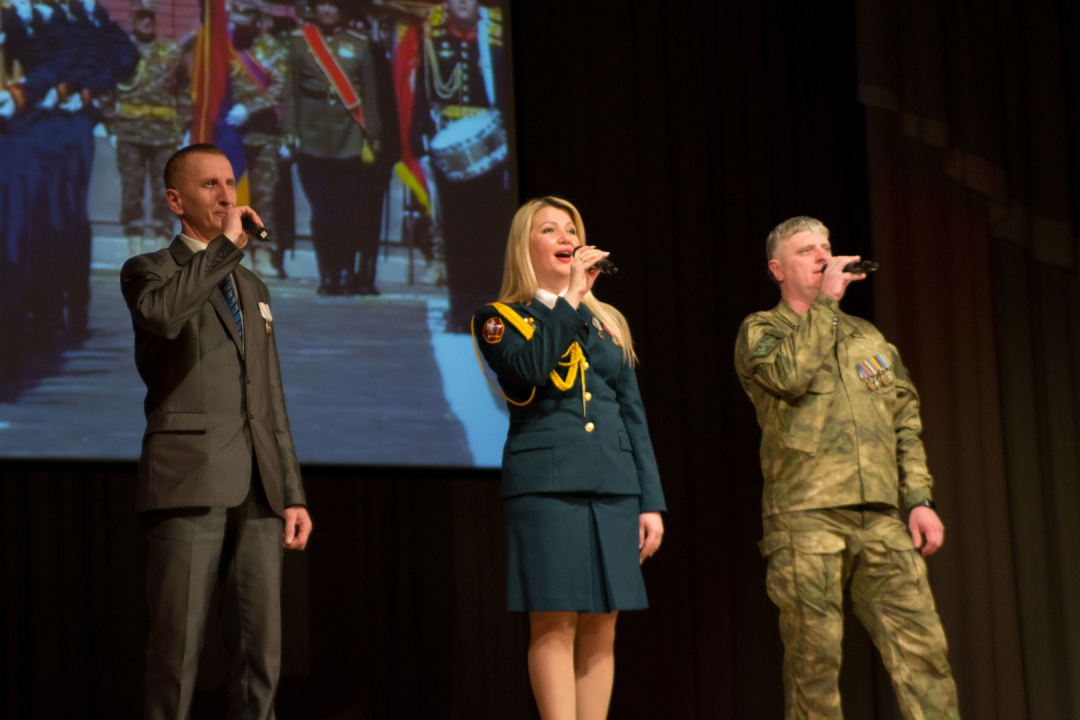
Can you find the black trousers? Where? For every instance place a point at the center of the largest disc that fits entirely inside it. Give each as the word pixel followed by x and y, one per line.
pixel 346 208
pixel 190 550
pixel 476 217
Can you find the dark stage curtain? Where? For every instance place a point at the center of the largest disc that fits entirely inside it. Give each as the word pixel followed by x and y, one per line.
pixel 973 115
pixel 397 611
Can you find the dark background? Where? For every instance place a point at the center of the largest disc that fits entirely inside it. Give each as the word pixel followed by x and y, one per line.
pixel 684 132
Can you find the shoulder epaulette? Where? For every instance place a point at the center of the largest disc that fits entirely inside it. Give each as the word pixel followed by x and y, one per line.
pixel 515 319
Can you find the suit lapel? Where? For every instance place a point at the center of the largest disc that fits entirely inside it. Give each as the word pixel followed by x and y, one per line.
pixel 540 311
pixel 249 305
pixel 182 254
pixel 590 329
pixel 217 299
pixel 180 251
pixel 537 309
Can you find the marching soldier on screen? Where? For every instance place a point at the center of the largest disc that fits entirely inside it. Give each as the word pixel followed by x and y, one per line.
pixel 333 127
pixel 257 69
pixel 152 111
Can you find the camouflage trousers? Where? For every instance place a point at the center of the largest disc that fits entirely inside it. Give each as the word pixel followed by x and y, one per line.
pixel 812 555
pixel 133 160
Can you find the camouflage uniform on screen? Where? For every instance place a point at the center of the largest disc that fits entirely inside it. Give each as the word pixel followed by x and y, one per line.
pixel 151 114
pixel 258 75
pixel 839 451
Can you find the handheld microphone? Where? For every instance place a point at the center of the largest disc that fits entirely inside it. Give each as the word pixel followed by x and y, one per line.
pixel 603 265
pixel 255 231
pixel 861 266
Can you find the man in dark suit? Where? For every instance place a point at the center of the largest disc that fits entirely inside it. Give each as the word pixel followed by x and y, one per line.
pixel 219 487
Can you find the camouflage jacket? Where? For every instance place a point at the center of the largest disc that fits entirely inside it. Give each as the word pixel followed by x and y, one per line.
pixel 258 87
pixel 829 437
pixel 151 108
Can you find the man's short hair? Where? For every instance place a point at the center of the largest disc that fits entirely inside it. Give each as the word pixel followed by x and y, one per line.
pixel 791 226
pixel 176 162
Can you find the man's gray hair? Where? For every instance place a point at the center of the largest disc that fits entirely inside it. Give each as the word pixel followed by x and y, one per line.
pixel 794 226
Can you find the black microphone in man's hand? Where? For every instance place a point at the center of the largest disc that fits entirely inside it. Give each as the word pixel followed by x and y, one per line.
pixel 255 231
pixel 861 267
pixel 603 265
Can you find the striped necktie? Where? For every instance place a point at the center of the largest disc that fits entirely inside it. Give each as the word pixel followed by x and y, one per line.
pixel 230 297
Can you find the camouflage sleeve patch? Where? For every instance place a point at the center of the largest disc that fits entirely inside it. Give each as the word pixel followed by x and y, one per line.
pixel 765 346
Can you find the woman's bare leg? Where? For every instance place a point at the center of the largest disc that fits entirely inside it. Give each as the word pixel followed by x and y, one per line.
pixel 551 663
pixel 594 664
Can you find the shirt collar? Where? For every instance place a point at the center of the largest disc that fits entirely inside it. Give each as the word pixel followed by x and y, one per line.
pixel 192 244
pixel 548 298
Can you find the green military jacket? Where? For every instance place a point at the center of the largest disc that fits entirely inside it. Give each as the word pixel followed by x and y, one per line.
pixel 315 120
pixel 830 437
pixel 590 438
pixel 151 107
pixel 263 96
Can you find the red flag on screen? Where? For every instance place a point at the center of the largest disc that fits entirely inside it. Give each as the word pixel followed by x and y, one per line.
pixel 211 90
pixel 210 74
pixel 406 63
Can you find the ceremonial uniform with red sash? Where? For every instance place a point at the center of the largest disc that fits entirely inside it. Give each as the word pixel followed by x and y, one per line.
pixel 332 120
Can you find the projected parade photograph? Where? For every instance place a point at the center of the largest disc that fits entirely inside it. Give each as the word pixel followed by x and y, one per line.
pixel 373 139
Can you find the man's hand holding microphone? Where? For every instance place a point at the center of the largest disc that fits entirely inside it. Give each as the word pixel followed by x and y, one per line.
pixel 232 224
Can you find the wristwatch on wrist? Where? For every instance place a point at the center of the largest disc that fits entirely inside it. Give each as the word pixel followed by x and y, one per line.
pixel 924 503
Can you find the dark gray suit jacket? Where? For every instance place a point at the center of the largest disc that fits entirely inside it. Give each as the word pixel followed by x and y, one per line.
pixel 212 399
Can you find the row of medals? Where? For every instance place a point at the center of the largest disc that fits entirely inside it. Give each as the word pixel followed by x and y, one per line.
pixel 885 377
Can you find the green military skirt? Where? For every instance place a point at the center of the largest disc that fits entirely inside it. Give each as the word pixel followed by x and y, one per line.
pixel 573 552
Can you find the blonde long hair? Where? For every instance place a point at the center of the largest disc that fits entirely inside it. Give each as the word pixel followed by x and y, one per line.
pixel 519 279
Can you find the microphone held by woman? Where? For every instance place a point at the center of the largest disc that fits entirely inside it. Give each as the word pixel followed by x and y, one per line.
pixel 604 266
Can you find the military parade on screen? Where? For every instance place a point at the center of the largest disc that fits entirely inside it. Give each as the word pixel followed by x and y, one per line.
pixel 351 92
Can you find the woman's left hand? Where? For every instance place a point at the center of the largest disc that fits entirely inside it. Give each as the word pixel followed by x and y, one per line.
pixel 650 533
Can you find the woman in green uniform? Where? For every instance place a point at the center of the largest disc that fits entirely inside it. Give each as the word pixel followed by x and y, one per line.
pixel 581 492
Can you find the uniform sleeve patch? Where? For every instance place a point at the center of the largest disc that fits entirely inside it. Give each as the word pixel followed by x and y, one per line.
pixel 493 330
pixel 765 346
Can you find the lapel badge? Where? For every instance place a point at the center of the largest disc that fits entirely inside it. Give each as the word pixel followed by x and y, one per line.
pixel 531 322
pixel 264 310
pixel 493 330
pixel 599 327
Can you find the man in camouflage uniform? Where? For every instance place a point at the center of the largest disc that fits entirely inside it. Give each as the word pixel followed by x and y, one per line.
pixel 151 111
pixel 840 451
pixel 257 71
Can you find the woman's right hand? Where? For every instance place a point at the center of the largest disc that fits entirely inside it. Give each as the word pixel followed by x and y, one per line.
pixel 583 274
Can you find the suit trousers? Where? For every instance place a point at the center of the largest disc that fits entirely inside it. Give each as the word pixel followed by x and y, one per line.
pixel 189 551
